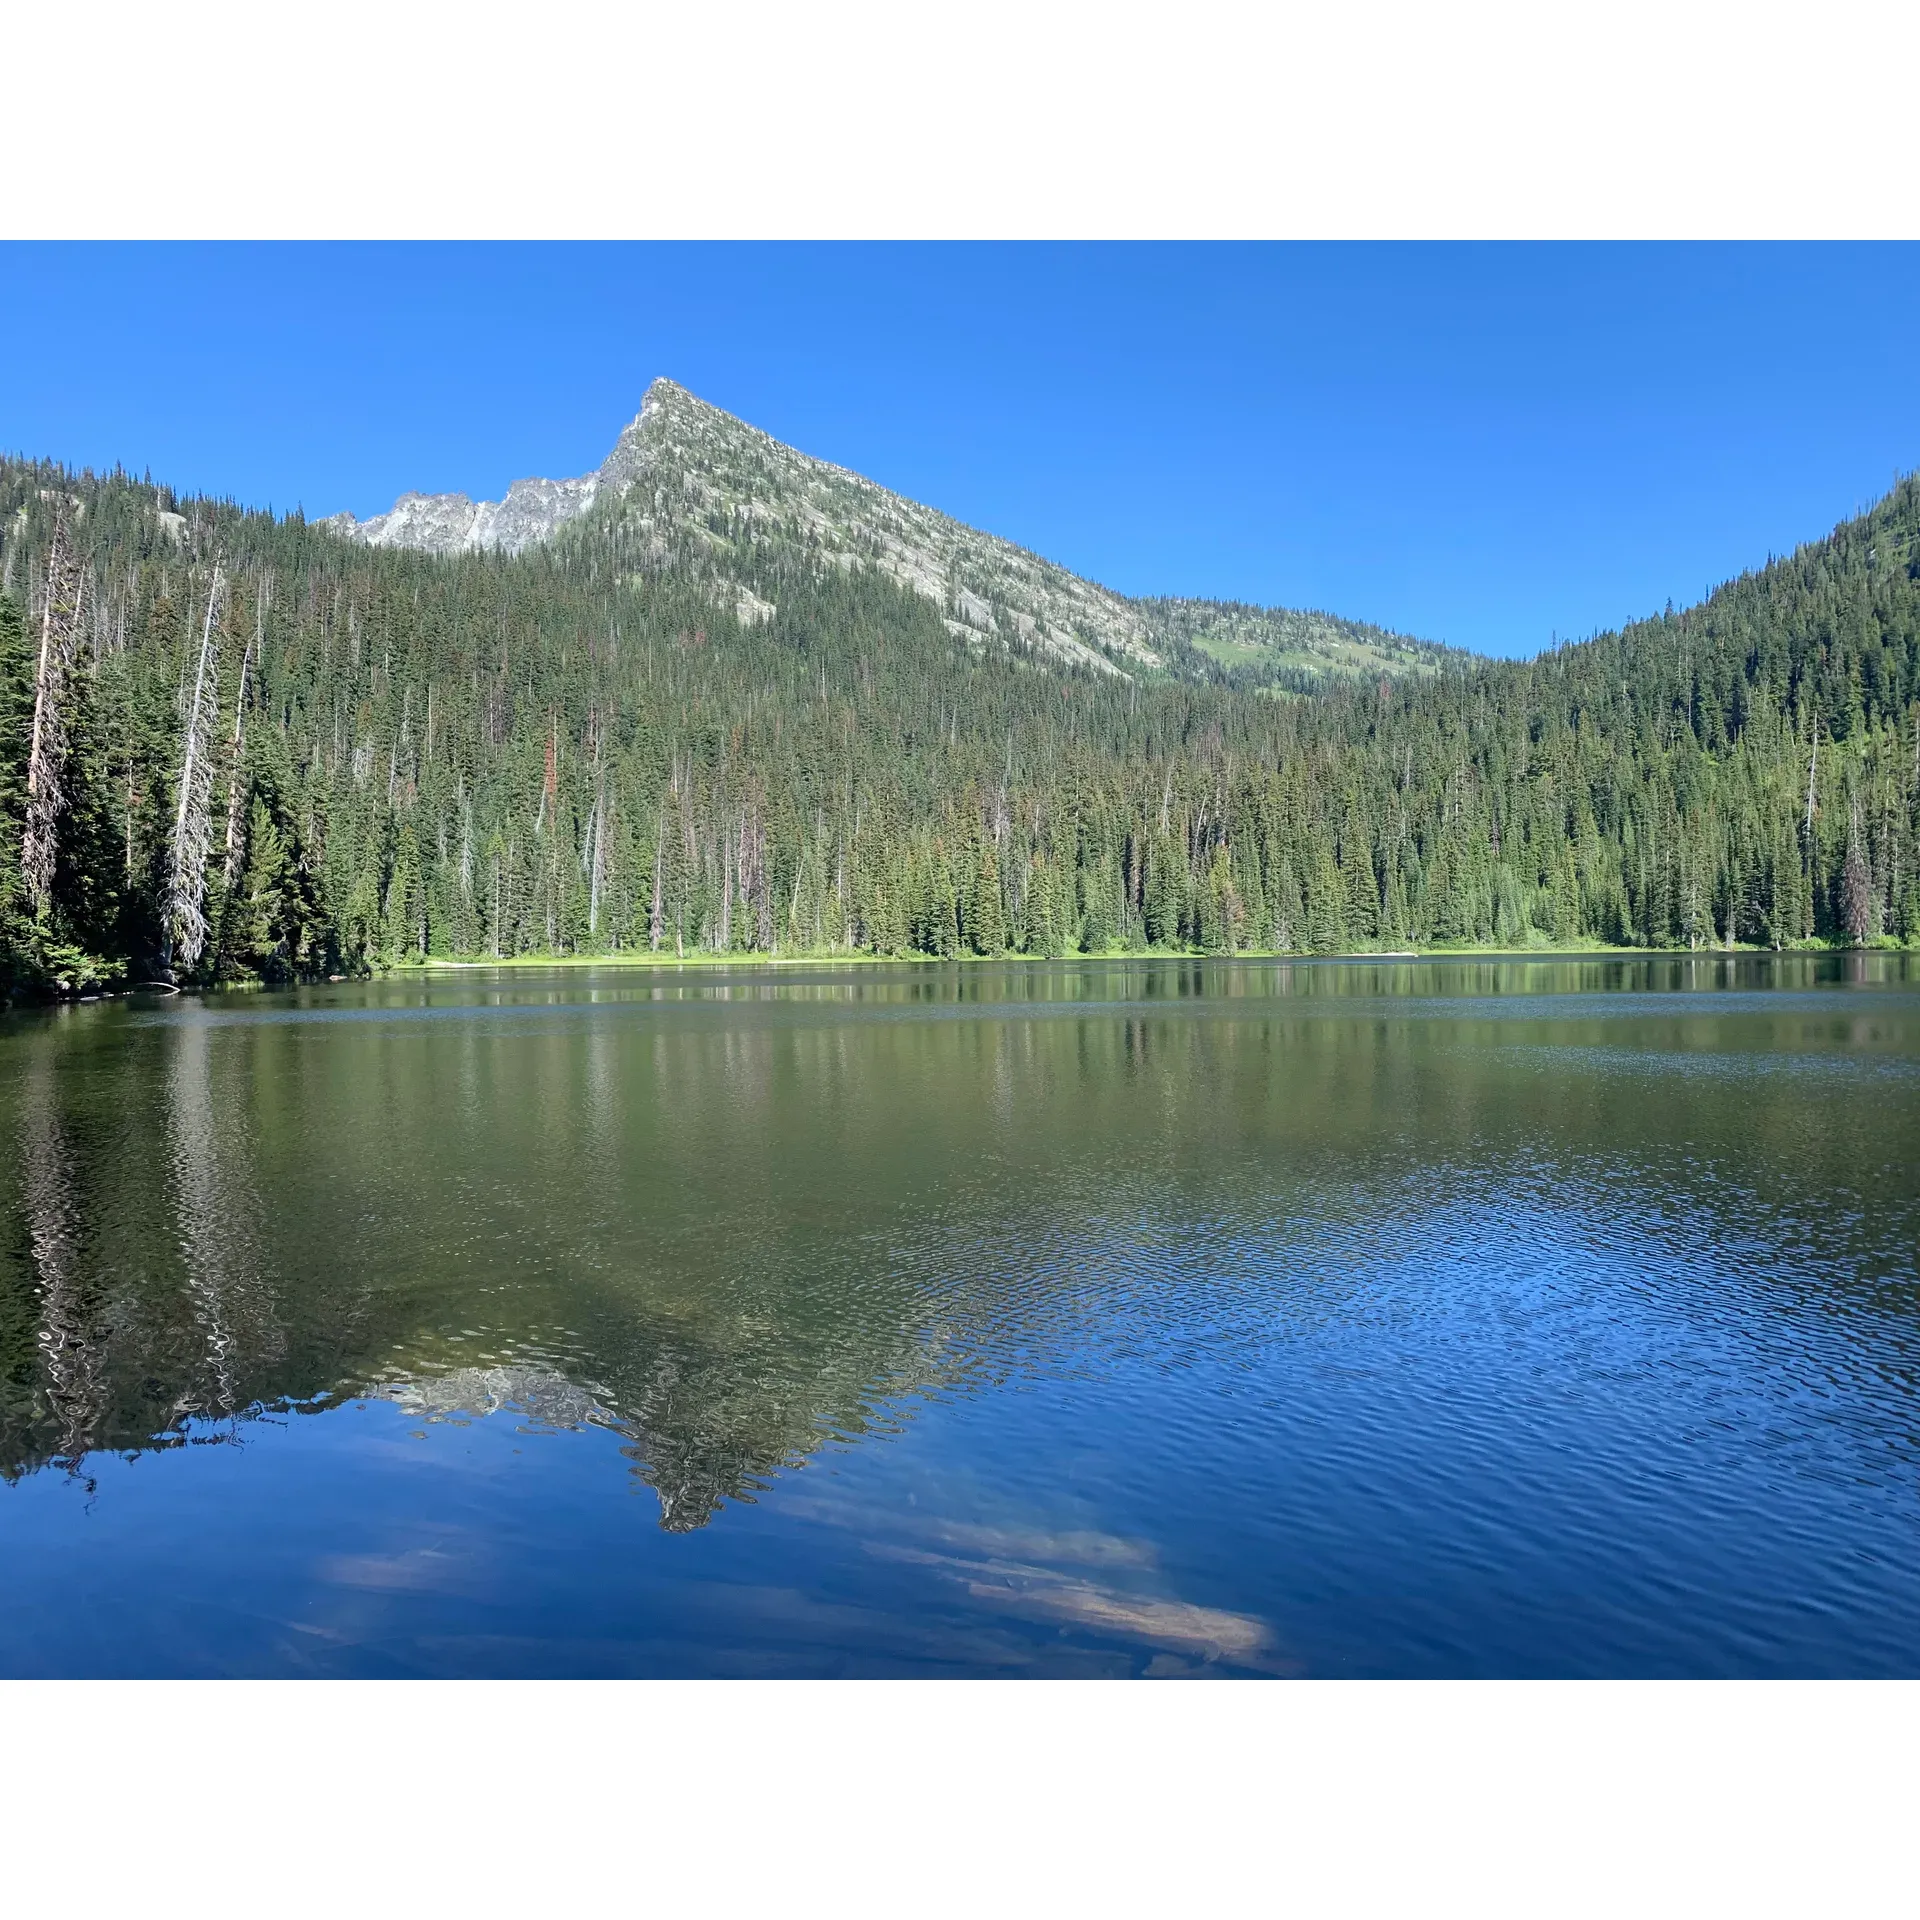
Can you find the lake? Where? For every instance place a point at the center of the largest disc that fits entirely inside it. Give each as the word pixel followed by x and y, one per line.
pixel 1158 1317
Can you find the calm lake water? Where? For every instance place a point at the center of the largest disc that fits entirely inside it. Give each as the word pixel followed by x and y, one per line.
pixel 1464 1318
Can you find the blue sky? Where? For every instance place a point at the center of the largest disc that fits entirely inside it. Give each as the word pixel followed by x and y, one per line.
pixel 1486 444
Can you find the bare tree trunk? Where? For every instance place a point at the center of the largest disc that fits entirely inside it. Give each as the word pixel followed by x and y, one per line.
pixel 597 872
pixel 1813 766
pixel 60 622
pixel 186 922
pixel 466 843
pixel 659 848
pixel 762 890
pixel 232 869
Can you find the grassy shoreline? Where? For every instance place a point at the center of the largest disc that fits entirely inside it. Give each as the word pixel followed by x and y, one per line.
pixel 435 963
pixel 21 997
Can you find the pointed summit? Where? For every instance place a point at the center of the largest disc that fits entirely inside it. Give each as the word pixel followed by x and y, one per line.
pixel 695 491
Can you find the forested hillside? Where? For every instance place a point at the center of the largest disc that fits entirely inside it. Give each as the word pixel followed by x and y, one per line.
pixel 233 747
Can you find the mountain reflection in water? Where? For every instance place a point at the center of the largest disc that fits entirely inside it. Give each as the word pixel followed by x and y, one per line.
pixel 1450 1316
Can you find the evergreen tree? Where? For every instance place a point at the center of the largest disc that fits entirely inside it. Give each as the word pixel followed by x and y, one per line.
pixel 404 754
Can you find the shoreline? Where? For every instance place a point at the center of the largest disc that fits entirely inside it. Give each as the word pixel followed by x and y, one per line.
pixel 18 1000
pixel 434 963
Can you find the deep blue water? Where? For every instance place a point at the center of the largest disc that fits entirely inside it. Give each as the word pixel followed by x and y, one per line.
pixel 1450 1318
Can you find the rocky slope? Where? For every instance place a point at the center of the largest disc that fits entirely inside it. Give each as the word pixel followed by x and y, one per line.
pixel 713 494
pixel 1234 635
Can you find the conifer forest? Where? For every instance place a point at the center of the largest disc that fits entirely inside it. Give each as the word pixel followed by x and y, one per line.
pixel 238 747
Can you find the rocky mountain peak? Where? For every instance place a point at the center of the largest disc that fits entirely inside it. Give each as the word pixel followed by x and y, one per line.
pixel 533 510
pixel 716 498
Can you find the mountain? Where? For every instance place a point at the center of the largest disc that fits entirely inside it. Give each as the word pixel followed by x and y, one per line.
pixel 720 499
pixel 730 709
pixel 451 523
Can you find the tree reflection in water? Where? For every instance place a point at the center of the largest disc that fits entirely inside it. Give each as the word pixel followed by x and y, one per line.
pixel 733 1220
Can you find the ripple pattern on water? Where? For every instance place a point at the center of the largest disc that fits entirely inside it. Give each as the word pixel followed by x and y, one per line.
pixel 1159 1318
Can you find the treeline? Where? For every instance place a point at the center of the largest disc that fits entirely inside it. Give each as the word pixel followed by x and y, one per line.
pixel 234 747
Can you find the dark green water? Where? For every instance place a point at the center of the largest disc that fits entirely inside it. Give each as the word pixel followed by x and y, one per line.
pixel 1453 1318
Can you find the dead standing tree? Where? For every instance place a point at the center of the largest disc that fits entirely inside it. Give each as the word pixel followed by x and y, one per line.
pixel 597 862
pixel 185 919
pixel 254 647
pixel 60 624
pixel 654 923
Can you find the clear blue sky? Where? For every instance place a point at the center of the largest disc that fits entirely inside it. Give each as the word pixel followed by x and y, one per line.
pixel 1482 444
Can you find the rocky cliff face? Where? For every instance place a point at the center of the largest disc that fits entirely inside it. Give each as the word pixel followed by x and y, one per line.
pixel 451 523
pixel 715 495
